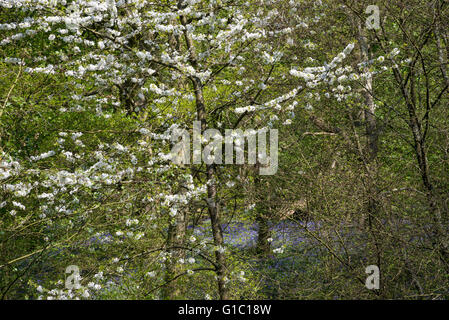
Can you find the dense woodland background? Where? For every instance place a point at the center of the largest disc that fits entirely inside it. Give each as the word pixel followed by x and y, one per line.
pixel 90 91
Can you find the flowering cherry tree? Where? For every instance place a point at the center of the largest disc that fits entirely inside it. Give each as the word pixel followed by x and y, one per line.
pixel 132 72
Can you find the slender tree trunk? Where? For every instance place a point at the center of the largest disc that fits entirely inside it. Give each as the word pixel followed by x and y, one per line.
pixel 263 234
pixel 217 234
pixel 371 150
pixel 419 139
pixel 442 57
pixel 175 240
pixel 263 245
pixel 212 202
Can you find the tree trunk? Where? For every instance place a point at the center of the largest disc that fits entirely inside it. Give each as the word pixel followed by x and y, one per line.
pixel 371 149
pixel 263 233
pixel 213 209
pixel 175 240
